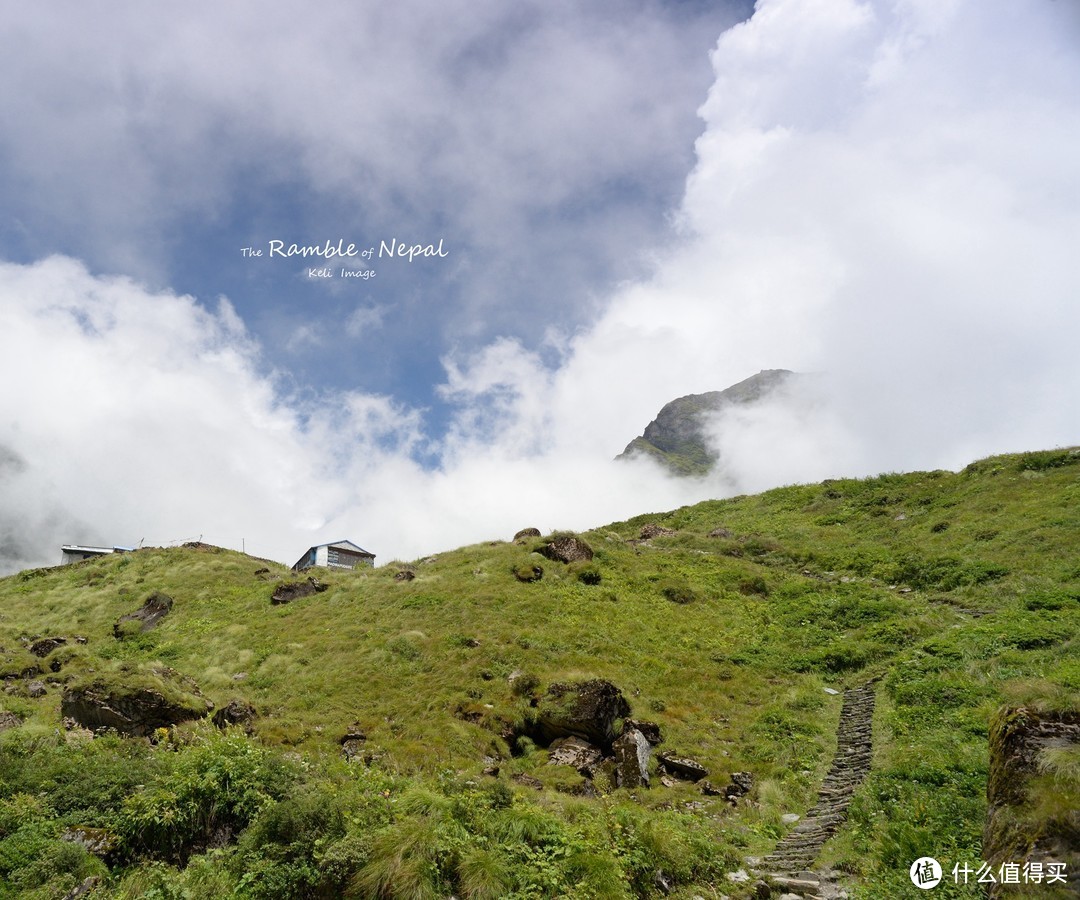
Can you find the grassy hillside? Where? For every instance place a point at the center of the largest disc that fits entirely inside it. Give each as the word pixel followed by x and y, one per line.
pixel 960 592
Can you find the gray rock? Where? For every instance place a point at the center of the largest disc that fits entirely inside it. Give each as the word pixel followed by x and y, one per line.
pixel 652 530
pixel 741 784
pixel 682 767
pixel 235 713
pixel 520 537
pixel 632 753
pixel 574 752
pixel 352 742
pixel 36 689
pixel 98 841
pixel 567 549
pixel 83 888
pixel 650 729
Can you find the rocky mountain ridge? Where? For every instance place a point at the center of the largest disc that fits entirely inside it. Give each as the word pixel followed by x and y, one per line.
pixel 678 436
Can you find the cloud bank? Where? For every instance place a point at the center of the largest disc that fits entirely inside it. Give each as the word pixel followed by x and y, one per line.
pixel 884 192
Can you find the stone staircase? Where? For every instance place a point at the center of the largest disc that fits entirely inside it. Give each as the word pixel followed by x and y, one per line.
pixel 788 867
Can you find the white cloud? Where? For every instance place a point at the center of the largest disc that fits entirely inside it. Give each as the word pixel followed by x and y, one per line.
pixel 134 415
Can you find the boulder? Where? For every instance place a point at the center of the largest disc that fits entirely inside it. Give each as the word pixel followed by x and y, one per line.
pixel 404 575
pixel 235 713
pixel 294 590
pixel 650 729
pixel 134 703
pixel 45 646
pixel 721 533
pixel 9 720
pixel 585 709
pixel 520 537
pixel 652 530
pixel 682 767
pixel 575 752
pixel 566 548
pixel 36 689
pixel 153 610
pixel 632 753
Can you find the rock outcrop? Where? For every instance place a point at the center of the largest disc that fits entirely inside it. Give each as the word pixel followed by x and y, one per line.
pixel 677 438
pixel 289 591
pixel 235 713
pixel 1023 744
pixel 652 530
pixel 574 752
pixel 44 646
pixel 134 703
pixel 566 548
pixel 153 610
pixel 585 709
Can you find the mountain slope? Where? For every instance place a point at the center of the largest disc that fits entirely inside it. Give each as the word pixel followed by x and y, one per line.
pixel 722 623
pixel 677 436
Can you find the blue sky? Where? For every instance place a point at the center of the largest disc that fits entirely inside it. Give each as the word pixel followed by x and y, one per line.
pixel 637 200
pixel 543 143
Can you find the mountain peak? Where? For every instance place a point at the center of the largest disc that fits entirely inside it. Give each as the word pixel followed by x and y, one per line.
pixel 676 437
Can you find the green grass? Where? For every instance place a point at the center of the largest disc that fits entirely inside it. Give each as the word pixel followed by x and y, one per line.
pixel 961 590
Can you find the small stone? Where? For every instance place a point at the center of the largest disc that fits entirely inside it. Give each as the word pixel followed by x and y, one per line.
pixel 790 818
pixel 739 877
pixel 831 691
pixel 36 689
pixel 682 767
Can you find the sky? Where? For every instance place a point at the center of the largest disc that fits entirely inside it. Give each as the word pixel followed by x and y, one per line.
pixel 610 206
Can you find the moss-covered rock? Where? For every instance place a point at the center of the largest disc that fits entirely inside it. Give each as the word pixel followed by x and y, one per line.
pixel 134 701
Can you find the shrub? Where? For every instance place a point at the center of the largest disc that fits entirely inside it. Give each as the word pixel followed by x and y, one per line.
pixel 755 585
pixel 587 573
pixel 215 788
pixel 529 572
pixel 677 591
